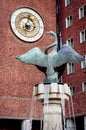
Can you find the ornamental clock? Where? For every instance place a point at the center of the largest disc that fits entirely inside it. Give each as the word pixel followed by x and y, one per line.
pixel 27 24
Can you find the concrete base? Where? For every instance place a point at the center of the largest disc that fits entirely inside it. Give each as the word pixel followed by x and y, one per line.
pixel 53 108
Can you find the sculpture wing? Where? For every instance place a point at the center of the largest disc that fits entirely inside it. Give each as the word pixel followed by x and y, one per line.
pixel 34 56
pixel 66 54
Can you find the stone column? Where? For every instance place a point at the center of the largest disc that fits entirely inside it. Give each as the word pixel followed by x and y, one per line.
pixel 53 110
pixel 52 117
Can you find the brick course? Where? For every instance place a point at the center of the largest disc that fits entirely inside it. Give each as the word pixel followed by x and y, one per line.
pixel 18 79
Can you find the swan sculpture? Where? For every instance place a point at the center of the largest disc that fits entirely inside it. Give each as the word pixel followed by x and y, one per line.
pixel 48 62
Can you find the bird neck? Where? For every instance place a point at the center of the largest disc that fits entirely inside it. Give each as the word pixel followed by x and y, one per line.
pixel 48 47
pixel 55 44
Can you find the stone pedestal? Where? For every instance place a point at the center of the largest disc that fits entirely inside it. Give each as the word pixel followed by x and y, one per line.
pixel 53 106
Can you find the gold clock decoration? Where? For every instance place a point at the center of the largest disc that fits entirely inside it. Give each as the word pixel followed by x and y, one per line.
pixel 27 24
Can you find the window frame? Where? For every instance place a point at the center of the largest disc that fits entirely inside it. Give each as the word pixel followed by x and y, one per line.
pixel 72 89
pixel 67 2
pixel 82 11
pixel 83 63
pixel 83 85
pixel 69 21
pixel 70 70
pixel 83 36
pixel 70 42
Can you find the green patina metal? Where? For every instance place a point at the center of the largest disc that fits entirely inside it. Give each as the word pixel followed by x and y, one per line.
pixel 53 63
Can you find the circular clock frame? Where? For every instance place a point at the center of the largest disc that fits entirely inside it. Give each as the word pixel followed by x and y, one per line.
pixel 27 24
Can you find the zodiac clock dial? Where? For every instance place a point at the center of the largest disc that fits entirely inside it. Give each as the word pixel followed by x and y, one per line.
pixel 27 24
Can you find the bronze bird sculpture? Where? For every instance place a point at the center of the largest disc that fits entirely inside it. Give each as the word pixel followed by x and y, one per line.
pixel 48 62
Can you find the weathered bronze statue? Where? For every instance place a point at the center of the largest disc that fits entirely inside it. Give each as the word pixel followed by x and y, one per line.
pixel 51 63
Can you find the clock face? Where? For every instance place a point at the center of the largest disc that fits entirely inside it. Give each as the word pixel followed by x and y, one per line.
pixel 27 24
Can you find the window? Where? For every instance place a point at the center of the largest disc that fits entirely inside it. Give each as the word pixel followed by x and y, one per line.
pixel 84 86
pixel 67 2
pixel 82 36
pixel 70 68
pixel 70 42
pixel 72 89
pixel 58 8
pixel 83 63
pixel 82 11
pixel 69 21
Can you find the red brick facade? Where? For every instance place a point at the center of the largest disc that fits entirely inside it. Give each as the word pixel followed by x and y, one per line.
pixel 16 78
pixel 75 79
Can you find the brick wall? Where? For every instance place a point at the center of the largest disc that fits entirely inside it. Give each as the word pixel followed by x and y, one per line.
pixel 75 79
pixel 16 78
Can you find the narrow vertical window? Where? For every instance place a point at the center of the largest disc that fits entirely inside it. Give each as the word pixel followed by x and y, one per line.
pixel 84 86
pixel 72 89
pixel 70 68
pixel 69 21
pixel 83 63
pixel 82 36
pixel 70 42
pixel 67 2
pixel 82 11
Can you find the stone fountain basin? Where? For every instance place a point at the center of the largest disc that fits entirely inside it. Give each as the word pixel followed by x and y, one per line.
pixel 56 91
